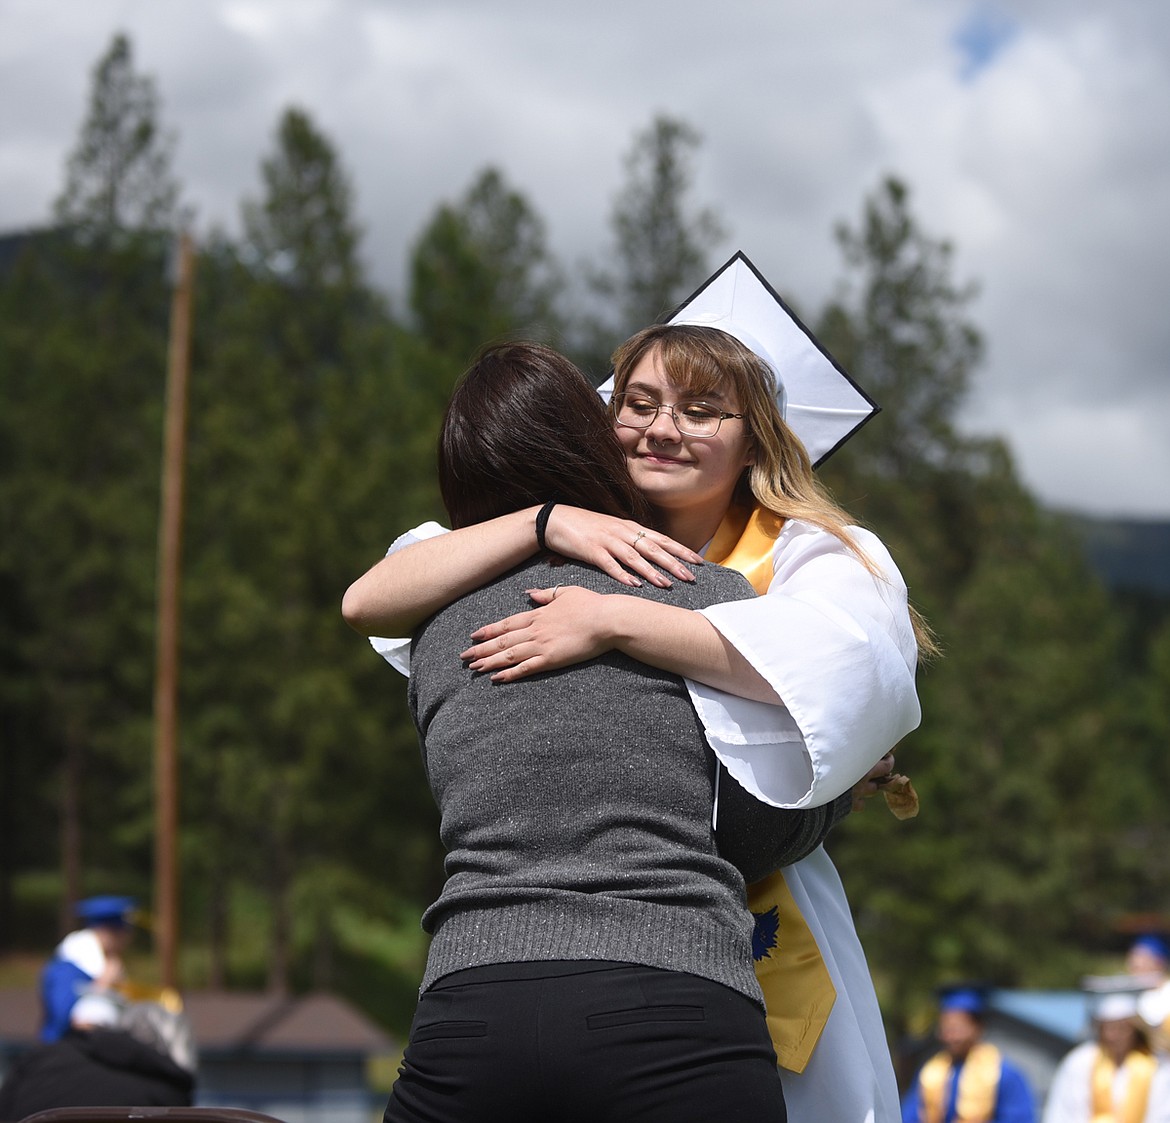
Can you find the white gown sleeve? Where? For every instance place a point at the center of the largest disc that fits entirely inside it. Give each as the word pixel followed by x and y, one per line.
pixel 837 645
pixel 396 650
pixel 1069 1095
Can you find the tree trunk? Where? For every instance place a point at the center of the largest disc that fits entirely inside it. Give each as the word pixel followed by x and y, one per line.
pixel 278 958
pixel 218 925
pixel 72 770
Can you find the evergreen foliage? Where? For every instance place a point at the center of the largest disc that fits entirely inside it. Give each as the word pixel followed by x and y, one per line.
pixel 660 247
pixel 119 175
pixel 482 271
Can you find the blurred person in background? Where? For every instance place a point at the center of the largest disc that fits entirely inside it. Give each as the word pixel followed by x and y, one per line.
pixel 969 1080
pixel 103 1059
pixel 1148 961
pixel 87 961
pixel 1115 1077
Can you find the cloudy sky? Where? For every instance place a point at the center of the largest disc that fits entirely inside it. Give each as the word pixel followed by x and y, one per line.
pixel 1034 134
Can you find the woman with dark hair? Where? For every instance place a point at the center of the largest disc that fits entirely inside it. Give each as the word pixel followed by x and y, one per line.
pixel 522 427
pixel 591 952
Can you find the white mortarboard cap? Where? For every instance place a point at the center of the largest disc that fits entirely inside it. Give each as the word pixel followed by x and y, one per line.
pixel 821 403
pixel 1117 1007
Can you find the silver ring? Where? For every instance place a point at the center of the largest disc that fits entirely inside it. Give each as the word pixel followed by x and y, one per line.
pixel 556 589
pixel 639 536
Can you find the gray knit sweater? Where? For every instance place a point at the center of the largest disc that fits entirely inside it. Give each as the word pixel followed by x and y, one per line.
pixel 575 805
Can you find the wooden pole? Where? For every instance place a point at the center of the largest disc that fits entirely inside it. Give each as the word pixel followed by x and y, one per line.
pixel 170 536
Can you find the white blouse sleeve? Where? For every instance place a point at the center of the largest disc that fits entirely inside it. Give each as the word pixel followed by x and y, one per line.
pixel 396 651
pixel 837 645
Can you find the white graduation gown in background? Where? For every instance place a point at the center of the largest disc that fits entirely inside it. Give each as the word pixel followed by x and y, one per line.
pixel 1070 1097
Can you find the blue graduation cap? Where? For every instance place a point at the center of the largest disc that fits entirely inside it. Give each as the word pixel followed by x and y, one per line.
pixel 109 910
pixel 1154 944
pixel 966 998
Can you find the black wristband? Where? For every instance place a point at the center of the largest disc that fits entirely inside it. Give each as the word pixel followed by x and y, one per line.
pixel 542 523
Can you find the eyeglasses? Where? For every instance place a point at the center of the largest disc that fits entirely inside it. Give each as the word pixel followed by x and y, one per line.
pixel 692 419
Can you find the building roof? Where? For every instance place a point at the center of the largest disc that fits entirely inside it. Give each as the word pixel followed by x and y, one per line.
pixel 1062 1013
pixel 231 1022
pixel 226 1021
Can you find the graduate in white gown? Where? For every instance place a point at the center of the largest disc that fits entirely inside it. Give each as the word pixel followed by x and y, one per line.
pixel 1115 1077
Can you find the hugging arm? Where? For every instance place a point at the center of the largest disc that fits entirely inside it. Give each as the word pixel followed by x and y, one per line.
pixel 575 624
pixel 759 839
pixel 411 583
pixel 831 641
pixel 836 643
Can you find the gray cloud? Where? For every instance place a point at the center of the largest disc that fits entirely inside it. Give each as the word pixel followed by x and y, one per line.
pixel 1031 133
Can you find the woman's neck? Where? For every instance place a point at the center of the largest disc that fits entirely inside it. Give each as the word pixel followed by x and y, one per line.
pixel 692 528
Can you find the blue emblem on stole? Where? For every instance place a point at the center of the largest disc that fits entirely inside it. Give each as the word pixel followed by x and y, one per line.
pixel 765 933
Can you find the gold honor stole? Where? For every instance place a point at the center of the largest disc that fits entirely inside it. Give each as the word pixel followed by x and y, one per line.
pixel 166 997
pixel 798 992
pixel 978 1085
pixel 1139 1069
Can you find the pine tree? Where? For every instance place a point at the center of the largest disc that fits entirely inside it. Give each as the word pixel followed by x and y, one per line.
pixel 660 251
pixel 481 271
pixel 303 230
pixel 119 175
pixel 301 754
pixel 900 328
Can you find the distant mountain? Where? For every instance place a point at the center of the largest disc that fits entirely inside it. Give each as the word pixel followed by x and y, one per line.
pixel 11 244
pixel 1130 555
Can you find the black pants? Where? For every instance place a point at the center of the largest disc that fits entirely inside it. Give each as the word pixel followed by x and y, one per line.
pixel 595 1042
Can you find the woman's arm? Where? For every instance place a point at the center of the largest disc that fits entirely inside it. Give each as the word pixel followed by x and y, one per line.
pixel 837 604
pixel 759 839
pixel 575 624
pixel 393 597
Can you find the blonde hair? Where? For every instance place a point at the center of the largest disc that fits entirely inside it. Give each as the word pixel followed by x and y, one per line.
pixel 781 480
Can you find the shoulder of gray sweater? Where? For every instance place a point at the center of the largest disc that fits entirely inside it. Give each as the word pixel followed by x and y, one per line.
pixel 713 584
